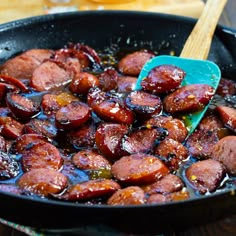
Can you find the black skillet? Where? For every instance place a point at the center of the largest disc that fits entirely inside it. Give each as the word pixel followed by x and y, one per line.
pixel 163 33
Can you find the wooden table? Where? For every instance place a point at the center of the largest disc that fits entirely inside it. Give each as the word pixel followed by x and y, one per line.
pixel 16 9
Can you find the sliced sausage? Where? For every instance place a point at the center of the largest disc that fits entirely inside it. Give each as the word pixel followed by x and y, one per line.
pixel 139 169
pixel 142 140
pixel 225 152
pixel 23 65
pixel 10 188
pixel 51 103
pixel 72 115
pixel 91 189
pixel 163 79
pixel 49 75
pixel 95 97
pixel 211 122
pixel 4 89
pixel 84 136
pixel 108 79
pixel 143 103
pixel 43 182
pixel 90 160
pixel 108 139
pixel 21 106
pixel 82 82
pixel 41 155
pixel 188 98
pixel 205 176
pixel 226 87
pixel 10 128
pixel 114 111
pixel 158 198
pixel 133 63
pixel 228 116
pixel 132 195
pixel 26 141
pixel 175 127
pixel 43 127
pixel 126 84
pixel 201 142
pixel 9 167
pixel 3 146
pixel 168 184
pixel 172 153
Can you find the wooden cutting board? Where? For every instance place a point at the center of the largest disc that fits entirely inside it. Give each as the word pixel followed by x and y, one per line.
pixel 17 9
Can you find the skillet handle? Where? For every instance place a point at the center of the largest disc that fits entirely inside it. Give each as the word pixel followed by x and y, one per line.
pixel 198 44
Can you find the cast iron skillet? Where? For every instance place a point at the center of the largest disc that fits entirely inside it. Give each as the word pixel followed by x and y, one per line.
pixel 127 29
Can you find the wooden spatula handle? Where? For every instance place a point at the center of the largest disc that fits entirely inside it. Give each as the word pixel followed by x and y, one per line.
pixel 198 44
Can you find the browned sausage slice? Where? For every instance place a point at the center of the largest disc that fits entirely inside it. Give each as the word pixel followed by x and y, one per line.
pixel 132 63
pixel 205 176
pixel 225 152
pixel 41 155
pixel 126 83
pixel 9 167
pixel 82 82
pixel 72 115
pixel 175 127
pixel 168 184
pixel 108 139
pixel 4 89
pixel 228 116
pixel 226 87
pixel 90 160
pixel 139 169
pixel 49 75
pixel 21 106
pixel 108 79
pixel 201 142
pixel 23 65
pixel 188 98
pixel 158 198
pixel 43 182
pixel 3 146
pixel 133 195
pixel 91 189
pixel 10 188
pixel 143 103
pixel 172 153
pixel 210 122
pixel 163 79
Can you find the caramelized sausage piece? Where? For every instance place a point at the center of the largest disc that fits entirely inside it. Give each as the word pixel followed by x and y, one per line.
pixel 10 188
pixel 108 139
pixel 143 103
pixel 175 127
pixel 228 116
pixel 82 82
pixel 51 103
pixel 139 169
pixel 108 79
pixel 210 122
pixel 142 140
pixel 9 167
pixel 205 176
pixel 84 136
pixel 26 141
pixel 188 98
pixel 201 142
pixel 133 63
pixel 3 146
pixel 91 189
pixel 158 198
pixel 90 160
pixel 163 79
pixel 21 106
pixel 126 84
pixel 72 115
pixel 224 151
pixel 49 75
pixel 23 65
pixel 43 127
pixel 172 153
pixel 226 87
pixel 4 89
pixel 168 184
pixel 41 155
pixel 132 195
pixel 44 182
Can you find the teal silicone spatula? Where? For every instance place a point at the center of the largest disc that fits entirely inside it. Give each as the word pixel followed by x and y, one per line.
pixel 193 57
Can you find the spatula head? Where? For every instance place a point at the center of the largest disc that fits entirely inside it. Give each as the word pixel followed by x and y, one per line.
pixel 197 72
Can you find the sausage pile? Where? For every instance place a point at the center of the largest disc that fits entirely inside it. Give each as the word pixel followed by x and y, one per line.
pixel 72 128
